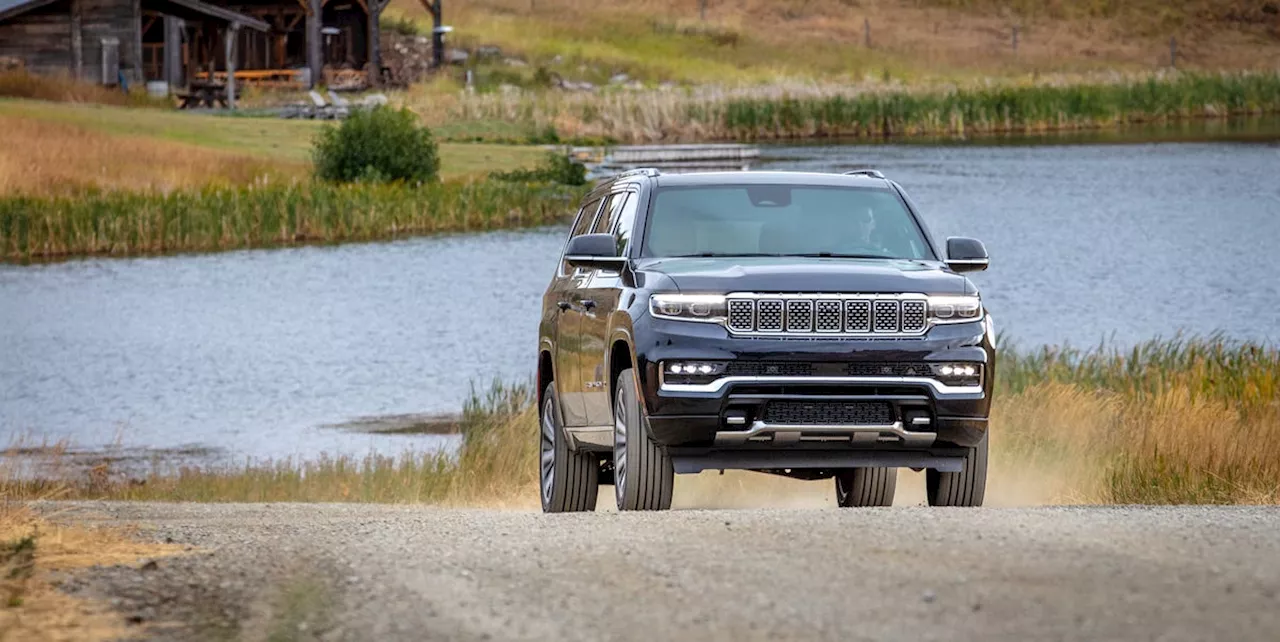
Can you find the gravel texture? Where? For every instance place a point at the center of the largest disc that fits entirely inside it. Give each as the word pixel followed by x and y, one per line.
pixel 363 572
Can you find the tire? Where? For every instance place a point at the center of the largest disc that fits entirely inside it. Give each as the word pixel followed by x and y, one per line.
pixel 643 477
pixel 866 487
pixel 568 480
pixel 965 488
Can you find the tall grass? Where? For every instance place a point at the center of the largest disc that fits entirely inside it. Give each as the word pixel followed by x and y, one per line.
pixel 824 110
pixel 221 218
pixel 1189 420
pixel 19 84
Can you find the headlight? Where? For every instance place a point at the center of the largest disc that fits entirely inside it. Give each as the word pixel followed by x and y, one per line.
pixel 688 307
pixel 954 309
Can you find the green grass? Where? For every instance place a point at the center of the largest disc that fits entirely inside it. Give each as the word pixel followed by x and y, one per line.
pixel 288 141
pixel 132 223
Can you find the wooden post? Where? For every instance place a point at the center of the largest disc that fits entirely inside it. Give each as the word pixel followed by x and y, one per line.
pixel 1015 40
pixel 77 41
pixel 136 73
pixel 866 32
pixel 702 10
pixel 315 55
pixel 173 52
pixel 1173 52
pixel 375 46
pixel 229 38
pixel 437 36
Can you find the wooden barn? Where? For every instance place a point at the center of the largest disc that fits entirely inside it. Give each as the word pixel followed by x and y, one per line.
pixel 294 42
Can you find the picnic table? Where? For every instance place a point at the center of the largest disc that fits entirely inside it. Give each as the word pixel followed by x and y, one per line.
pixel 203 93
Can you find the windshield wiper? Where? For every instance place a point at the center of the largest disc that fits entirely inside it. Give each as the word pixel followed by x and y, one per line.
pixel 836 255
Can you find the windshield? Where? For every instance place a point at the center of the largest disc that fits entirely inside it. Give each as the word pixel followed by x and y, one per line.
pixel 782 220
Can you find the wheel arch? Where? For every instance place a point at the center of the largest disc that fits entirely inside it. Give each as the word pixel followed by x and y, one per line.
pixel 546 374
pixel 621 357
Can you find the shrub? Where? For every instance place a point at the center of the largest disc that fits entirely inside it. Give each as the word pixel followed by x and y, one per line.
pixel 555 168
pixel 377 145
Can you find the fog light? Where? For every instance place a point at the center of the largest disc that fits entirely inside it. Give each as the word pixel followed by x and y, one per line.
pixel 693 371
pixel 958 374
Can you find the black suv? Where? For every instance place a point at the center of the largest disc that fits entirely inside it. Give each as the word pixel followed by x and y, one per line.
pixel 799 324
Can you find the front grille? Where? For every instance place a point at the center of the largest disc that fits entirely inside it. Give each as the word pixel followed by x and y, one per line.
pixel 769 369
pixel 742 368
pixel 793 315
pixel 857 413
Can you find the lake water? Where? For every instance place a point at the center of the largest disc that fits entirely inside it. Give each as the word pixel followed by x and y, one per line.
pixel 260 353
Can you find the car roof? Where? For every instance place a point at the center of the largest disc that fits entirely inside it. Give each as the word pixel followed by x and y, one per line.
pixel 770 178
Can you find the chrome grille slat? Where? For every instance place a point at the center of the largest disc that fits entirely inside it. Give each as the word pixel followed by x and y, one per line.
pixel 742 315
pixel 799 315
pixel 827 317
pixel 830 315
pixel 857 316
pixel 886 316
pixel 769 315
pixel 913 316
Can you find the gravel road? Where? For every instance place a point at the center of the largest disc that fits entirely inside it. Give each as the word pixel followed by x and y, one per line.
pixel 362 572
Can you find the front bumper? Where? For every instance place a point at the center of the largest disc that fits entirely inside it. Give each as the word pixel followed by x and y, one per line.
pixel 728 414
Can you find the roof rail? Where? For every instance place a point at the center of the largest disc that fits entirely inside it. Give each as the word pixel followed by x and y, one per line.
pixel 873 173
pixel 639 171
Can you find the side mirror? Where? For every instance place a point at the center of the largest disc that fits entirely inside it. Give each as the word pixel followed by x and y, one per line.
pixel 594 251
pixel 966 254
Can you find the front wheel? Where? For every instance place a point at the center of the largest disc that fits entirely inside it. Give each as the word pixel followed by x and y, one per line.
pixel 643 476
pixel 866 487
pixel 965 488
pixel 569 480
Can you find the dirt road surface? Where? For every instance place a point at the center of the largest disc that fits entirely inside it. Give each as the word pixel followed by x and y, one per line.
pixel 361 572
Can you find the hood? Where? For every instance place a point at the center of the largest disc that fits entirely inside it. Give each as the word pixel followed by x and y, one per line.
pixel 804 274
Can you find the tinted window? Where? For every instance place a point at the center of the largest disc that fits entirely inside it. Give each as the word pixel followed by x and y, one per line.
pixel 609 215
pixel 585 217
pixel 626 221
pixel 738 220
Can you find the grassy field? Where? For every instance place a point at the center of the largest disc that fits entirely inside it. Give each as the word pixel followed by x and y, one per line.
pixel 63 147
pixel 1170 421
pixel 764 41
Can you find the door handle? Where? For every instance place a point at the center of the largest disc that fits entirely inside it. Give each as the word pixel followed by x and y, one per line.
pixel 588 304
pixel 563 305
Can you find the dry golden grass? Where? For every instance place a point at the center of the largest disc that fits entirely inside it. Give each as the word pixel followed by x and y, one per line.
pixel 758 39
pixel 35 610
pixel 50 158
pixel 18 84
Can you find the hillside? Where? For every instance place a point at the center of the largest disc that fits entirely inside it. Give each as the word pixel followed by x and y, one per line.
pixel 752 41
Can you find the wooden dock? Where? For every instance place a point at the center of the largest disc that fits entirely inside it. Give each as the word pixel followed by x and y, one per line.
pixel 603 162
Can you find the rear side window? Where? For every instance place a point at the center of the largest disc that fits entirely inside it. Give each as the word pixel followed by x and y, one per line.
pixel 585 217
pixel 609 215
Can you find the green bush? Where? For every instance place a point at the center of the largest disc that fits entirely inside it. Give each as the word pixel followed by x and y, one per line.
pixel 376 146
pixel 555 168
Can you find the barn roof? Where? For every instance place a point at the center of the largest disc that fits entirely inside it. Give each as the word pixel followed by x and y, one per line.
pixel 186 9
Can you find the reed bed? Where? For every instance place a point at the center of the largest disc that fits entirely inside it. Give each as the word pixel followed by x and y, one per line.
pixel 222 218
pixel 1184 420
pixel 799 110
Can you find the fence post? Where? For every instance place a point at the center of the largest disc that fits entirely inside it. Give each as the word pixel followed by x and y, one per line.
pixel 1015 40
pixel 866 32
pixel 702 10
pixel 1173 52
